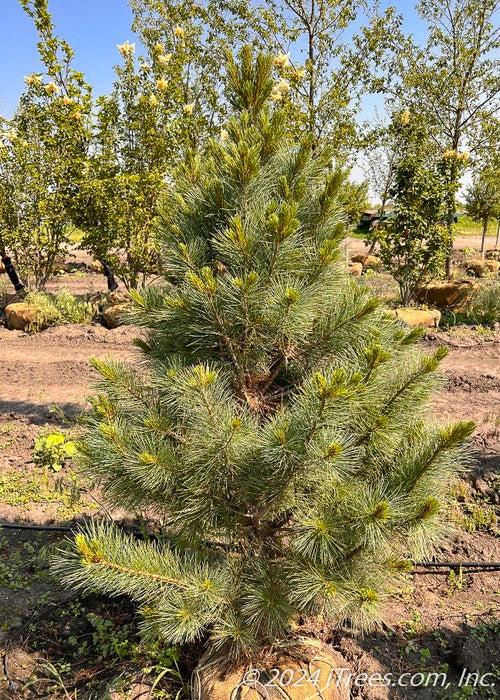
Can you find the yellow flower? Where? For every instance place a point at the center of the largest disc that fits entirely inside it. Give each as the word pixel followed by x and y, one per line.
pixel 161 84
pixel 299 73
pixel 153 101
pixel 32 79
pixel 164 59
pixel 67 100
pixel 188 109
pixel 52 88
pixel 404 117
pixel 179 31
pixel 159 47
pixel 463 156
pixel 449 154
pixel 275 95
pixel 11 135
pixel 282 87
pixel 126 49
pixel 77 116
pixel 282 60
pixel 224 135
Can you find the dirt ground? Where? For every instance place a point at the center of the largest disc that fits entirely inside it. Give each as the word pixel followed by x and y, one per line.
pixel 440 621
pixel 357 245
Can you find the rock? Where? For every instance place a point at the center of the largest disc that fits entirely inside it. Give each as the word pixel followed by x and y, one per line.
pixel 426 318
pixel 113 315
pixel 482 487
pixel 215 679
pixel 449 294
pixel 492 265
pixel 371 262
pixel 482 268
pixel 355 269
pixel 21 315
pixel 117 297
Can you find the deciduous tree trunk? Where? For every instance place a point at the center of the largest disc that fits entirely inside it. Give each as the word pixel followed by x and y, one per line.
pixel 483 239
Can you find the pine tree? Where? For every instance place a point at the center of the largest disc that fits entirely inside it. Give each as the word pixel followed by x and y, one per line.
pixel 276 427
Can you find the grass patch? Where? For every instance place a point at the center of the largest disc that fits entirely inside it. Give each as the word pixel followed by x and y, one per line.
pixel 61 308
pixel 483 308
pixel 76 235
pixel 467 227
pixel 20 490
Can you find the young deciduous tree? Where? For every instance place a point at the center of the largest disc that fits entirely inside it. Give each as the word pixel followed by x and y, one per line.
pixel 452 82
pixel 42 153
pixel 194 35
pixel 275 428
pixel 483 199
pixel 414 243
pixel 380 163
pixel 133 143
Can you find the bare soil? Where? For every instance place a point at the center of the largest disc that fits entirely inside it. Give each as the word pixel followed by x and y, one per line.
pixel 444 620
pixel 357 245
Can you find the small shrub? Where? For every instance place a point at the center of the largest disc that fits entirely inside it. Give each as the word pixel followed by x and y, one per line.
pixel 470 253
pixel 61 308
pixel 53 450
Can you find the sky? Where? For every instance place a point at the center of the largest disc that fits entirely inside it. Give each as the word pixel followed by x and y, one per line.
pixel 91 27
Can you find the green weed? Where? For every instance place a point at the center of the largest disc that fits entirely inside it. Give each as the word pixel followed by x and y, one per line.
pixel 53 451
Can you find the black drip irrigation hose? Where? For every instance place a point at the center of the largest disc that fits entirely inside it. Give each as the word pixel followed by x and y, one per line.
pixel 108 273
pixel 41 528
pixel 475 566
pixel 464 564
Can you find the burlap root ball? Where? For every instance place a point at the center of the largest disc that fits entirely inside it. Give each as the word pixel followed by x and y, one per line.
pixel 304 670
